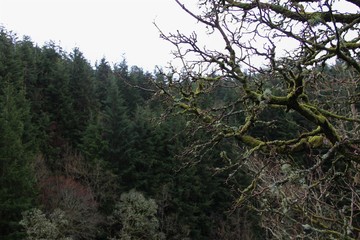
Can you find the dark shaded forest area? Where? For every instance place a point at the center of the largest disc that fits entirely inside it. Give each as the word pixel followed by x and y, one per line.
pixel 76 139
pixel 219 148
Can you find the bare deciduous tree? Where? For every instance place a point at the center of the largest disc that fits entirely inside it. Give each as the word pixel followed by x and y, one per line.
pixel 297 62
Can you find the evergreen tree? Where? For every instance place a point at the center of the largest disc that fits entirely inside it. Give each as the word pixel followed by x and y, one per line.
pixel 81 87
pixel 93 144
pixel 90 124
pixel 131 84
pixel 29 56
pixel 16 179
pixel 117 130
pixel 53 108
pixel 103 78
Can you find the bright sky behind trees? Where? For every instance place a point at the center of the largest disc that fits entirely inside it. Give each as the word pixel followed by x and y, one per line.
pixel 111 28
pixel 115 29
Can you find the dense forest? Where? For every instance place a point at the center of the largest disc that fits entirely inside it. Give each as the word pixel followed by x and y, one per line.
pixel 88 153
pixel 219 148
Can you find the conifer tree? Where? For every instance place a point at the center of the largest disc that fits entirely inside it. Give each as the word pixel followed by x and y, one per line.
pixel 103 76
pixel 16 179
pixel 117 129
pixel 81 87
pixel 56 112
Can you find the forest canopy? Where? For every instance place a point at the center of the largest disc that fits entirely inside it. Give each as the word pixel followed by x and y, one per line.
pixel 84 151
pixel 221 147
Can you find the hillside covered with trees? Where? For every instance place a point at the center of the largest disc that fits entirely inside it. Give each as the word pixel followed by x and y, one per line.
pixel 220 149
pixel 82 145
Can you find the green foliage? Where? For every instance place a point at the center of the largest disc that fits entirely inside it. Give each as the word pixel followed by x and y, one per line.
pixel 93 144
pixel 82 91
pixel 16 179
pixel 99 134
pixel 51 103
pixel 137 216
pixel 103 77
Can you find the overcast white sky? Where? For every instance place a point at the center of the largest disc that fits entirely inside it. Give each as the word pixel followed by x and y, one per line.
pixel 114 29
pixel 110 28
